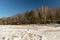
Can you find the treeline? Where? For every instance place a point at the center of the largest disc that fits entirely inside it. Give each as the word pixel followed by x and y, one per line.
pixel 44 15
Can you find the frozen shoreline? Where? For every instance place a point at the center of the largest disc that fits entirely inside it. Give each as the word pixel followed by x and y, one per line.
pixel 47 32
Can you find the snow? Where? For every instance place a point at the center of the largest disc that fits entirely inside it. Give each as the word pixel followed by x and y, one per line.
pixel 29 32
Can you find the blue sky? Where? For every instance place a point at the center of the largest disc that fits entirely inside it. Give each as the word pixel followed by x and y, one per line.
pixel 11 7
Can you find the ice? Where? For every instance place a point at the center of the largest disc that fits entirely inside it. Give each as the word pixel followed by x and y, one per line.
pixel 29 32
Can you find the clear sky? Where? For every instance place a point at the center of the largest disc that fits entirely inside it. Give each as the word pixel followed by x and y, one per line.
pixel 11 7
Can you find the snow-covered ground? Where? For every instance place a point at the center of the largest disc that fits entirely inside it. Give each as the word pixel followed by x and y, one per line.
pixel 29 32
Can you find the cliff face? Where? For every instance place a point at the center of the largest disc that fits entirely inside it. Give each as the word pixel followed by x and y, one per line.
pixel 38 16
